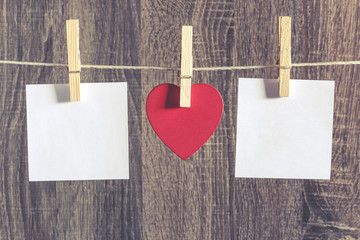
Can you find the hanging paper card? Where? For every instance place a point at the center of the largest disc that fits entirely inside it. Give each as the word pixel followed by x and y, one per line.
pixel 77 140
pixel 284 137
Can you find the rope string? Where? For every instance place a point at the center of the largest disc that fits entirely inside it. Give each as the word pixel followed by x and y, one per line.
pixel 178 69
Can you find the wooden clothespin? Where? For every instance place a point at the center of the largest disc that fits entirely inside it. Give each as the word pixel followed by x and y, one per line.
pixel 285 55
pixel 72 32
pixel 186 66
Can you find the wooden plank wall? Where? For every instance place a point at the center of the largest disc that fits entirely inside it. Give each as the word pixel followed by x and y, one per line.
pixel 166 197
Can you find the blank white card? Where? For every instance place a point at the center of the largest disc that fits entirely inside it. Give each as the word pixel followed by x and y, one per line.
pixel 284 137
pixel 84 140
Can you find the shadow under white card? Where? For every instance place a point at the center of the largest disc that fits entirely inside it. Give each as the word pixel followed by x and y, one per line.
pixel 84 140
pixel 284 137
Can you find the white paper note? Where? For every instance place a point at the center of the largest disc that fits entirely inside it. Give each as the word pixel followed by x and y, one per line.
pixel 84 140
pixel 284 137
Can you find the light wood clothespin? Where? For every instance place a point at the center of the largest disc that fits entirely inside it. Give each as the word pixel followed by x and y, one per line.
pixel 72 32
pixel 285 55
pixel 186 66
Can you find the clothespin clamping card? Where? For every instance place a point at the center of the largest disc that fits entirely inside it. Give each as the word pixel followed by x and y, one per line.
pixel 72 32
pixel 186 66
pixel 285 55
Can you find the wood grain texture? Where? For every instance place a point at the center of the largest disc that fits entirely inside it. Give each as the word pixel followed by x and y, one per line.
pixel 35 31
pixel 186 70
pixel 73 41
pixel 74 86
pixel 284 55
pixel 166 197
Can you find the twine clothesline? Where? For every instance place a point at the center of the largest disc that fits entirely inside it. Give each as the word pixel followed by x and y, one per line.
pixel 178 69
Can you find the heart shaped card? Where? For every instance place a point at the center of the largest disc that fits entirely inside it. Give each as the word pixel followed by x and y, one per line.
pixel 184 130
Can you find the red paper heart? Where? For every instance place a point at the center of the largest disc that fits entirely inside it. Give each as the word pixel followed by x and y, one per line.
pixel 184 130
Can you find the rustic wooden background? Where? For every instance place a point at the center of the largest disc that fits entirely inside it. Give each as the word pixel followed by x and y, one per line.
pixel 166 197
